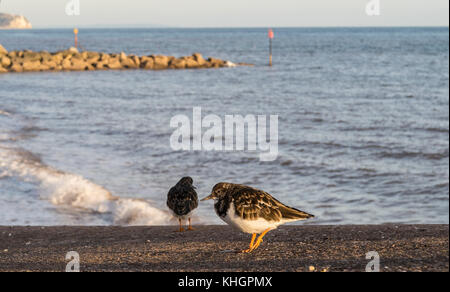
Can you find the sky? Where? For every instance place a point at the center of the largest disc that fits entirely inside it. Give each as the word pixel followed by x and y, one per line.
pixel 229 13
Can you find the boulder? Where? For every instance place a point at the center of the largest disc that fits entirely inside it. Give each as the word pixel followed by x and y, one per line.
pixel 146 58
pixel 147 63
pixel 66 64
pixel 78 57
pixel 50 64
pixel 92 60
pixel 93 55
pixel 69 52
pixel 46 58
pixel 90 67
pixel 31 66
pixel 78 64
pixel 178 64
pixel 44 67
pixel 100 65
pixel 12 54
pixel 123 56
pixel 57 58
pixel 73 50
pixel 16 67
pixel 114 64
pixel 194 62
pixel 20 54
pixel 161 62
pixel 128 63
pixel 45 55
pixel 5 61
pixel 105 57
pixel 216 63
pixel 136 60
pixel 3 51
pixel 3 70
pixel 31 56
pixel 199 58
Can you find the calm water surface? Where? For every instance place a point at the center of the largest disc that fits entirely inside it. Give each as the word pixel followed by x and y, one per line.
pixel 364 126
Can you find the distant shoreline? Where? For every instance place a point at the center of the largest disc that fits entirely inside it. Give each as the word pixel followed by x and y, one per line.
pixel 208 248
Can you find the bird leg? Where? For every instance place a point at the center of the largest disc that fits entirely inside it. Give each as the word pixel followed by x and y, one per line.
pixel 190 225
pixel 181 227
pixel 251 244
pixel 260 240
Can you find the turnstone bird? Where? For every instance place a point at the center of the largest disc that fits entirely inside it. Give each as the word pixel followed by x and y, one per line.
pixel 182 199
pixel 251 210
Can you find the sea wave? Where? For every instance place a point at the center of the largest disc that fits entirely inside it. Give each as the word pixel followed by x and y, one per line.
pixel 68 189
pixel 412 154
pixel 72 190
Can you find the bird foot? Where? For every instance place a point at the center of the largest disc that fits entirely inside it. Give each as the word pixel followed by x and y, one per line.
pixel 181 230
pixel 191 229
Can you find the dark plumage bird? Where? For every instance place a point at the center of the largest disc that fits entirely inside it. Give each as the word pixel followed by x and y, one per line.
pixel 182 199
pixel 252 211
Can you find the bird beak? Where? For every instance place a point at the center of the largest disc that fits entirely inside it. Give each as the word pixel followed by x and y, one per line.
pixel 208 198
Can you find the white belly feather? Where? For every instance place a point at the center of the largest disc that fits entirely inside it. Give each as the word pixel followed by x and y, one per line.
pixel 249 226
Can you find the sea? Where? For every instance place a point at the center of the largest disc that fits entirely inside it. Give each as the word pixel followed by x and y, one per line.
pixel 363 125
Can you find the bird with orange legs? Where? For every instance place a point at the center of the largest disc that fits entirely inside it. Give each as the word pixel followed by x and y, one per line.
pixel 252 211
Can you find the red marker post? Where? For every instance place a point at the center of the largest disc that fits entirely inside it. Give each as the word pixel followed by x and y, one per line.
pixel 271 35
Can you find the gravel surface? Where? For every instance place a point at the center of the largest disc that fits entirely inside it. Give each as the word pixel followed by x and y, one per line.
pixel 210 248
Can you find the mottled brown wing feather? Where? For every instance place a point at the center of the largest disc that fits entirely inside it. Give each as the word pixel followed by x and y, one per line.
pixel 171 196
pixel 182 199
pixel 252 204
pixel 290 213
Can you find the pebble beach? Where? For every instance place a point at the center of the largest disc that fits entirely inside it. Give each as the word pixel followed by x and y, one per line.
pixel 413 248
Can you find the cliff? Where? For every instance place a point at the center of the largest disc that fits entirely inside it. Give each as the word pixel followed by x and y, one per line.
pixel 9 21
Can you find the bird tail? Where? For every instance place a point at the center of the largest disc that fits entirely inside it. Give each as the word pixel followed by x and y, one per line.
pixel 294 214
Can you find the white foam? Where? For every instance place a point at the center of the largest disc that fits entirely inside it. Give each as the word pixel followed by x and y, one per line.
pixel 71 190
pixel 4 113
pixel 3 174
pixel 4 137
pixel 230 64
pixel 138 212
